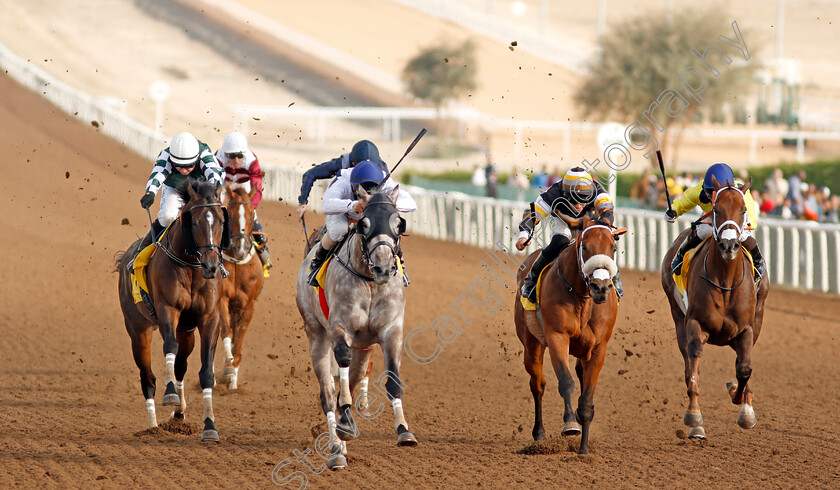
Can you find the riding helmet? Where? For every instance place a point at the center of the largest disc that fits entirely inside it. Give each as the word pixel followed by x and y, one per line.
pixel 183 150
pixel 722 173
pixel 367 174
pixel 234 142
pixel 578 186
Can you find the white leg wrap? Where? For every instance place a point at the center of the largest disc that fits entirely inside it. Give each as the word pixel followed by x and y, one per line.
pixel 234 380
pixel 208 404
pixel 344 397
pixel 170 368
pixel 179 388
pixel 150 411
pixel 363 393
pixel 228 343
pixel 399 418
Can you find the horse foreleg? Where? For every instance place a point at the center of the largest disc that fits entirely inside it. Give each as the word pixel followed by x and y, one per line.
pixel 345 425
pixel 209 337
pixel 319 352
pixel 534 352
pixel 186 343
pixel 238 335
pixel 392 352
pixel 141 347
pixel 588 371
pixel 167 319
pixel 558 349
pixel 741 394
pixel 692 348
pixel 227 338
pixel 360 367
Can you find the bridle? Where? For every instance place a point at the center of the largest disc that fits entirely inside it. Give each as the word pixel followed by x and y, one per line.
pixel 367 248
pixel 579 253
pixel 216 247
pixel 716 231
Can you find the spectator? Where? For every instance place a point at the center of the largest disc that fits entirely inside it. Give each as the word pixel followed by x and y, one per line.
pixel 540 179
pixel 556 177
pixel 776 183
pixel 518 181
pixel 767 202
pixel 479 177
pixel 832 212
pixel 811 206
pixel 492 178
pixel 795 188
pixel 639 191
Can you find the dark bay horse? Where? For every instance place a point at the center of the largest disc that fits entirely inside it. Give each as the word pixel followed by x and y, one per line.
pixel 364 293
pixel 242 288
pixel 578 308
pixel 724 307
pixel 184 278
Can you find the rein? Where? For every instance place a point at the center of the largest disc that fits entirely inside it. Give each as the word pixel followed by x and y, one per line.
pixel 705 275
pixel 347 264
pixel 716 231
pixel 178 260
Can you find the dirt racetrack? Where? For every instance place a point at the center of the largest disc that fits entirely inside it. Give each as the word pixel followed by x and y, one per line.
pixel 71 412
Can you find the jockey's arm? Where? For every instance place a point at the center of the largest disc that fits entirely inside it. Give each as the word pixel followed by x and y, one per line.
pixel 160 172
pixel 689 200
pixel 405 203
pixel 604 206
pixel 325 170
pixel 255 174
pixel 530 220
pixel 338 197
pixel 213 172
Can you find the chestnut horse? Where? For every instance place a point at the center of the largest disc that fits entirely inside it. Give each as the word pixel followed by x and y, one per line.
pixel 183 277
pixel 241 289
pixel 576 312
pixel 724 307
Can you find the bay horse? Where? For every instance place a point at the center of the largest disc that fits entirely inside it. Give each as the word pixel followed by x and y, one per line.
pixel 242 288
pixel 183 277
pixel 724 307
pixel 576 313
pixel 366 305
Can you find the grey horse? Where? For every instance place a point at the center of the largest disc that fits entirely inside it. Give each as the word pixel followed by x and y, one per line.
pixel 366 306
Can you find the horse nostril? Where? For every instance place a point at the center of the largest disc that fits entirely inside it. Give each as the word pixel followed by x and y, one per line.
pixel 377 270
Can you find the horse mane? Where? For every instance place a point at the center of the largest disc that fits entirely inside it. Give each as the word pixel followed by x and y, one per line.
pixel 205 190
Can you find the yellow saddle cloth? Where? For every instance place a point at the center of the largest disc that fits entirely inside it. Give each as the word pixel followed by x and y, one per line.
pixel 138 272
pixel 525 302
pixel 680 280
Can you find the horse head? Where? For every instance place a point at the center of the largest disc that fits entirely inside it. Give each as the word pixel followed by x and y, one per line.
pixel 204 225
pixel 729 216
pixel 240 208
pixel 380 228
pixel 596 257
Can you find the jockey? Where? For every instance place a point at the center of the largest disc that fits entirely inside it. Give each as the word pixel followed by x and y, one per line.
pixel 569 200
pixel 361 151
pixel 700 195
pixel 242 170
pixel 185 158
pixel 341 206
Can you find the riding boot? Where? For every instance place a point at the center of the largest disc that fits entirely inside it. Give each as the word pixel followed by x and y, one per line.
pixel 529 286
pixel 619 288
pixel 324 246
pixel 152 235
pixel 691 241
pixel 261 241
pixel 758 260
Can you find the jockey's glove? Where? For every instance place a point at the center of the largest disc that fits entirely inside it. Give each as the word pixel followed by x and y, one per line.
pixel 670 216
pixel 147 200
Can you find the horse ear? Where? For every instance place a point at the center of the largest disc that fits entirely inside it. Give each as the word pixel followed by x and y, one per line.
pixel 252 192
pixel 219 189
pixel 746 187
pixel 619 231
pixel 586 222
pixel 715 184
pixel 191 190
pixel 225 231
pixel 362 194
pixel 394 194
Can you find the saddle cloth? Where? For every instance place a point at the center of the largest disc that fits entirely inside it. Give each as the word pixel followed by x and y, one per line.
pixel 525 302
pixel 680 281
pixel 139 287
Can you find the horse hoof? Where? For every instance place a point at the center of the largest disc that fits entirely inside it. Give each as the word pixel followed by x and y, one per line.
pixel 337 462
pixel 746 419
pixel 209 436
pixel 693 419
pixel 177 416
pixel 406 439
pixel 171 400
pixel 571 429
pixel 697 433
pixel 229 371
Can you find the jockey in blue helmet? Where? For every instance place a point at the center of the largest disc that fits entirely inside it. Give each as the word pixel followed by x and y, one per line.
pixel 345 200
pixel 701 195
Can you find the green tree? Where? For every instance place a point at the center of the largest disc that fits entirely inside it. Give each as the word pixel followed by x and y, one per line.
pixel 644 56
pixel 442 73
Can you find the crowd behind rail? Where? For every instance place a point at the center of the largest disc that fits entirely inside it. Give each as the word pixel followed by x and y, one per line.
pixel 777 197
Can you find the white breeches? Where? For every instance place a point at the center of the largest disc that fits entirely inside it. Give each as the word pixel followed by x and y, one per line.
pixel 337 226
pixel 170 205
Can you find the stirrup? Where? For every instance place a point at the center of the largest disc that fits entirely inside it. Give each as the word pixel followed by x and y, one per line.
pixel 677 263
pixel 224 271
pixel 313 273
pixel 530 295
